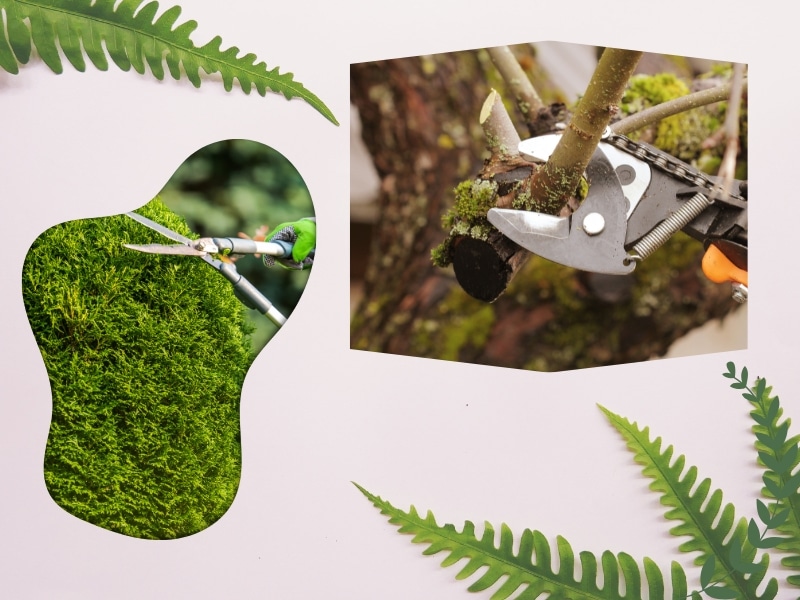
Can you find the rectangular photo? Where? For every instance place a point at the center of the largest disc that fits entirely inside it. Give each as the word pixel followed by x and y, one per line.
pixel 548 206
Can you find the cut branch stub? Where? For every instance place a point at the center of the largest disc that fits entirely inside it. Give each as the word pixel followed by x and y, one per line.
pixel 525 94
pixel 484 261
pixel 502 138
pixel 484 268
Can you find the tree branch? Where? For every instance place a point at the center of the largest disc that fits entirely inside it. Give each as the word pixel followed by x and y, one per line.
pixel 673 107
pixel 556 182
pixel 485 261
pixel 519 85
pixel 502 138
pixel 727 169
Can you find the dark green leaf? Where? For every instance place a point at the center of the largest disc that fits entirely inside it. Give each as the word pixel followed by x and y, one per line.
pixel 779 519
pixel 769 461
pixel 753 533
pixel 766 439
pixel 763 512
pixel 738 563
pixel 770 542
pixel 761 385
pixel 721 593
pixel 787 461
pixel 707 572
pixel 792 485
pixel 780 435
pixel 777 490
pixel 774 408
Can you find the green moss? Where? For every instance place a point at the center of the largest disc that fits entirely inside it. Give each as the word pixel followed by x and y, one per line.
pixel 648 90
pixel 682 135
pixel 462 323
pixel 473 199
pixel 522 201
pixel 441 256
pixel 146 356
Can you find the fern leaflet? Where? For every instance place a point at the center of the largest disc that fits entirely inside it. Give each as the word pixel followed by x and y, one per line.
pixel 697 521
pixel 778 456
pixel 132 37
pixel 531 569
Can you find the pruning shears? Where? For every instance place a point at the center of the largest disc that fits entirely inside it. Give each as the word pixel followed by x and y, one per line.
pixel 204 248
pixel 638 198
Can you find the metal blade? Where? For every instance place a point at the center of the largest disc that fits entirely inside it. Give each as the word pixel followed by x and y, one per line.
pixel 592 239
pixel 165 249
pixel 244 290
pixel 165 231
pixel 516 224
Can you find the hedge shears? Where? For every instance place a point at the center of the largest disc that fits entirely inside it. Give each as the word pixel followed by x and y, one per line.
pixel 205 248
pixel 638 198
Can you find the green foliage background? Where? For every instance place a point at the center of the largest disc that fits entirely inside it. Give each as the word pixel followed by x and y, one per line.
pixel 146 356
pixel 241 185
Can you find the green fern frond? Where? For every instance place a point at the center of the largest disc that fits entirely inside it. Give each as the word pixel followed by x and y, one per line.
pixel 674 482
pixel 132 37
pixel 769 429
pixel 531 569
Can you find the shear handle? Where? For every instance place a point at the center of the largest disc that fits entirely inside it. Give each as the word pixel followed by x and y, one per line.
pixel 248 294
pixel 278 248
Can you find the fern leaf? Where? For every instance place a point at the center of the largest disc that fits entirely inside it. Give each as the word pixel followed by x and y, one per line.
pixel 530 572
pixel 133 37
pixel 767 415
pixel 674 482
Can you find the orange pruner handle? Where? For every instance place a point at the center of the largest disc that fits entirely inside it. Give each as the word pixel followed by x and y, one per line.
pixel 719 269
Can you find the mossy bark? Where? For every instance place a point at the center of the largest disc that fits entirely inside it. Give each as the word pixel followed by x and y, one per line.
pixel 420 128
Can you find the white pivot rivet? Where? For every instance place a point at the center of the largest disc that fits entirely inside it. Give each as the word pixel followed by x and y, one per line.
pixel 594 223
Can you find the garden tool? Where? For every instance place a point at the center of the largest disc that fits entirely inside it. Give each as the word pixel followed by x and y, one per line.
pixel 638 198
pixel 203 248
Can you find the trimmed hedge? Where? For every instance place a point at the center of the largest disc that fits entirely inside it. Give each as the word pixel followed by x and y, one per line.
pixel 146 356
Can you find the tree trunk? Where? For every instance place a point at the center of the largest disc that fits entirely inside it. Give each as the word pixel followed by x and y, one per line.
pixel 420 124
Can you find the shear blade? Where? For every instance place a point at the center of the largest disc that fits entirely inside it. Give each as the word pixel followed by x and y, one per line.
pixel 591 239
pixel 517 224
pixel 178 249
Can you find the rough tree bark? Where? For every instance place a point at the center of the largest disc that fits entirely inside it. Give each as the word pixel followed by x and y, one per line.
pixel 420 124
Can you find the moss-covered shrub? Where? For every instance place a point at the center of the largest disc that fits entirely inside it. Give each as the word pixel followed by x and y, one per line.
pixel 146 356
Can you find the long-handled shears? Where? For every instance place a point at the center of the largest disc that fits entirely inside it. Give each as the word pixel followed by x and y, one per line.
pixel 203 248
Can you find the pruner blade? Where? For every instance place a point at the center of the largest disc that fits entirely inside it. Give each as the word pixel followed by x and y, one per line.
pixel 178 249
pixel 591 239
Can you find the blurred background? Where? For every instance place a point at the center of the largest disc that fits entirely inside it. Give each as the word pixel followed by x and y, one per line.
pixel 240 186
